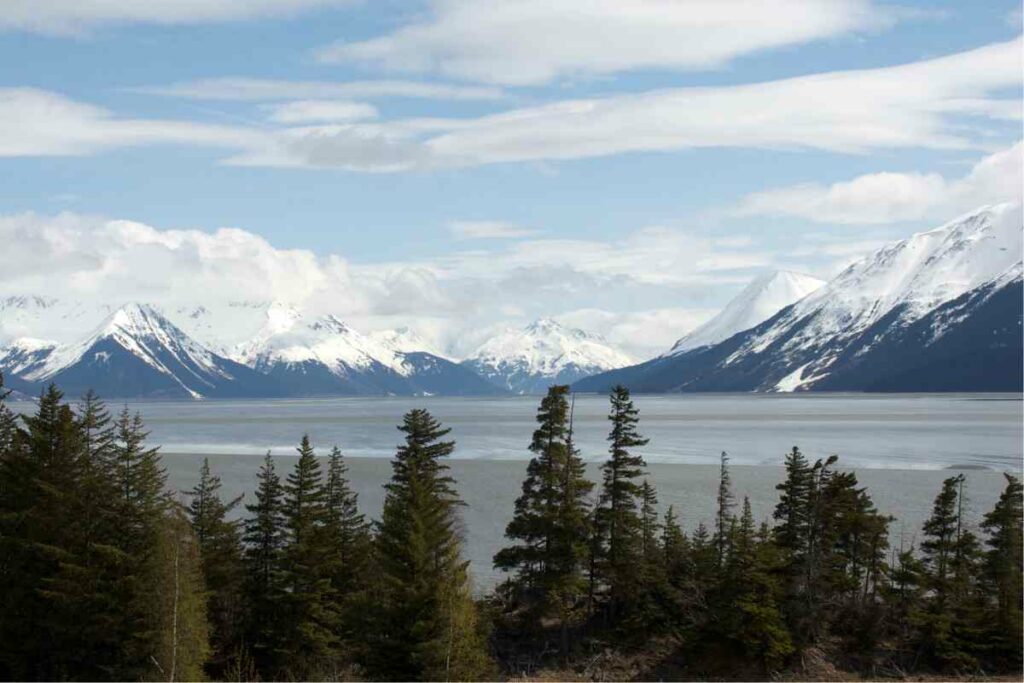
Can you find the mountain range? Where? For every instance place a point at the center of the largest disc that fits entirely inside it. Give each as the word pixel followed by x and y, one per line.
pixel 939 311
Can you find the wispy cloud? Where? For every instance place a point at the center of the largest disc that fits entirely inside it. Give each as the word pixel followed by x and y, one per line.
pixel 918 105
pixel 477 230
pixel 76 16
pixel 305 111
pixel 529 42
pixel 268 90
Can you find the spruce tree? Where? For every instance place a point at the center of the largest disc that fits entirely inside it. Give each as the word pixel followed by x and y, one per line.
pixel 950 556
pixel 723 514
pixel 310 638
pixel 142 507
pixel 220 550
pixel 1004 573
pixel 350 554
pixel 550 524
pixel 41 533
pixel 746 604
pixel 426 624
pixel 264 582
pixel 617 514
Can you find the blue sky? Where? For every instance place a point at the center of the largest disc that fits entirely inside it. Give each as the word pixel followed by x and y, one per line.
pixel 625 165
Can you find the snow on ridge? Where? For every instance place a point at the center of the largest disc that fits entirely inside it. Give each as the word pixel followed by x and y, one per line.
pixel 912 277
pixel 142 331
pixel 546 348
pixel 765 296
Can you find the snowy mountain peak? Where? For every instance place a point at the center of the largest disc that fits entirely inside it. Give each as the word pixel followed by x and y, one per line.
pixel 544 352
pixel 766 295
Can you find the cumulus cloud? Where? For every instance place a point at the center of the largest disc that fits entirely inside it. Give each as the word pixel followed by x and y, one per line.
pixel 529 42
pixel 477 230
pixel 269 90
pixel 878 198
pixel 678 277
pixel 76 16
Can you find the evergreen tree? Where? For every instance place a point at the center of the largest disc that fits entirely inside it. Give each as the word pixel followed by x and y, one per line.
pixel 310 639
pixel 142 507
pixel 348 527
pixel 746 604
pixel 1003 577
pixel 220 549
pixel 426 626
pixel 950 556
pixel 264 584
pixel 792 531
pixel 617 514
pixel 40 533
pixel 550 523
pixel 723 515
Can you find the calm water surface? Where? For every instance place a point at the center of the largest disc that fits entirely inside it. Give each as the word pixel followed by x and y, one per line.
pixel 899 446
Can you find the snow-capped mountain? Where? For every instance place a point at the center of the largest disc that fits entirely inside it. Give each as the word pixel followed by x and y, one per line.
pixel 325 356
pixel 940 310
pixel 136 351
pixel 529 360
pixel 765 296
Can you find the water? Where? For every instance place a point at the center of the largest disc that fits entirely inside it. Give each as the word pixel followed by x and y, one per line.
pixel 898 445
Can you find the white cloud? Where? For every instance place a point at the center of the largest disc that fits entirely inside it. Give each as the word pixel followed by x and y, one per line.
pixel 266 90
pixel 305 111
pixel 41 123
pixel 953 102
pixel 678 277
pixel 878 198
pixel 525 42
pixel 476 230
pixel 76 16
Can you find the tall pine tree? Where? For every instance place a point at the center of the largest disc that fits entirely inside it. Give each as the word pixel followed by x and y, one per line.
pixel 426 625
pixel 617 515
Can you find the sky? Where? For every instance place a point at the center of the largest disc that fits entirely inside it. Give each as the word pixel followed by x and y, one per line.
pixel 625 166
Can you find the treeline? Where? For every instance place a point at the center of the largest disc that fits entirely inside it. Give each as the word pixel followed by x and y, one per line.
pixel 107 575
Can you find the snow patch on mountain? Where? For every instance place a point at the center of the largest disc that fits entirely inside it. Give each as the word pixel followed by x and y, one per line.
pixel 912 276
pixel 542 353
pixel 142 331
pixel 765 296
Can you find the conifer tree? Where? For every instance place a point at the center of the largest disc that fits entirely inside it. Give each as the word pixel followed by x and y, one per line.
pixel 550 523
pixel 310 639
pixel 950 556
pixel 1004 573
pixel 349 563
pixel 426 624
pixel 220 550
pixel 617 514
pixel 39 517
pixel 142 507
pixel 723 515
pixel 264 584
pixel 746 604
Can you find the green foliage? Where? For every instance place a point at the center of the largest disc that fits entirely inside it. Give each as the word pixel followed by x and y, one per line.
pixel 425 626
pixel 618 546
pixel 551 524
pixel 1002 577
pixel 220 550
pixel 309 637
pixel 264 579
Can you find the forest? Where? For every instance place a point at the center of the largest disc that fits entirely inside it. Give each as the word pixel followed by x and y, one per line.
pixel 107 574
